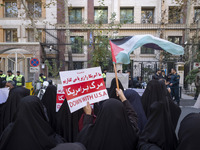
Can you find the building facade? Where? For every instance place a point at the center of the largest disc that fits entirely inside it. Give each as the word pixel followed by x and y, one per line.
pixel 17 39
pixel 160 18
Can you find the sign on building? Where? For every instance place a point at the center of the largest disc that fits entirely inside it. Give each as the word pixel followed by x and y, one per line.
pixel 34 69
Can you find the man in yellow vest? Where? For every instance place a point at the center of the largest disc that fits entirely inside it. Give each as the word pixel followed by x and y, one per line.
pixel 42 78
pixel 104 74
pixel 2 78
pixel 20 79
pixel 10 76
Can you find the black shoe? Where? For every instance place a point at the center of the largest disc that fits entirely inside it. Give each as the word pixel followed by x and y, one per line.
pixel 195 98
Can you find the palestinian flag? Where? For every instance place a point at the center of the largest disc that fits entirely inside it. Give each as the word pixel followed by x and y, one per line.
pixel 122 48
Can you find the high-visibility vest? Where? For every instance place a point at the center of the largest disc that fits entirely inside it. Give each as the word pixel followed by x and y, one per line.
pixel 3 76
pixel 103 75
pixel 19 80
pixel 42 79
pixel 10 78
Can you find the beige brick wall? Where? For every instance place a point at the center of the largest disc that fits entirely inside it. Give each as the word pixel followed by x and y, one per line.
pixel 1 9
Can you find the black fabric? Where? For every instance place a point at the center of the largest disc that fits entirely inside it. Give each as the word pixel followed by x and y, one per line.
pixel 112 90
pixel 49 101
pixel 160 127
pixel 112 129
pixel 29 129
pixel 152 93
pixel 135 100
pixel 70 146
pixel 10 107
pixel 189 132
pixel 67 123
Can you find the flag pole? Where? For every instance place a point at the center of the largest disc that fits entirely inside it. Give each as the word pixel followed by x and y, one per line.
pixel 116 76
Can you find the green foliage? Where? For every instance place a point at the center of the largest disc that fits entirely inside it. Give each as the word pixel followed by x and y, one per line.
pixel 190 78
pixel 101 54
pixel 53 69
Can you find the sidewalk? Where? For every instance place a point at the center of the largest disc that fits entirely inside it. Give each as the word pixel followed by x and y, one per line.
pixel 187 97
pixel 187 100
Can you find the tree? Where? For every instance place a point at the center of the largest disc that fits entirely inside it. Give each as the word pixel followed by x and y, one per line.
pixel 53 68
pixel 190 78
pixel 101 54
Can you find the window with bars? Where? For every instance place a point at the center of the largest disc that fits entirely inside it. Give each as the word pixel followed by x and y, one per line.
pixel 78 65
pixel 175 39
pixel 101 15
pixel 175 16
pixel 77 44
pixel 11 35
pixel 196 14
pixel 31 37
pixel 11 10
pixel 75 16
pixel 35 8
pixel 145 50
pixel 147 15
pixel 126 15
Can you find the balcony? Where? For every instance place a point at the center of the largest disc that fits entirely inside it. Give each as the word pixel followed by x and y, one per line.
pixel 134 26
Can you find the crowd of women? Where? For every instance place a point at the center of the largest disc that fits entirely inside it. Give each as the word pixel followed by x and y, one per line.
pixel 125 121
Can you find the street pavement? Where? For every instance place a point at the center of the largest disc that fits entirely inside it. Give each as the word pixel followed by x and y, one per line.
pixel 186 104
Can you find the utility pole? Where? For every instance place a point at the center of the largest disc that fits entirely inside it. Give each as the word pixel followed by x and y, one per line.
pixel 67 36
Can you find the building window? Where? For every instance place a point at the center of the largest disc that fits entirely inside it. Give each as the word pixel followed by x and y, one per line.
pixel 11 10
pixel 145 50
pixel 11 35
pixel 78 65
pixel 126 15
pixel 147 15
pixel 175 16
pixel 77 44
pixel 196 15
pixel 101 16
pixel 35 8
pixel 75 16
pixel 31 37
pixel 175 39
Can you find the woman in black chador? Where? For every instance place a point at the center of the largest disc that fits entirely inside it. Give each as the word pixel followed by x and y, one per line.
pixel 49 101
pixel 114 129
pixel 189 132
pixel 30 129
pixel 8 109
pixel 159 131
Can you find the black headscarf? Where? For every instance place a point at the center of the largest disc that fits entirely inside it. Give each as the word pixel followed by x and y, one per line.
pixel 135 100
pixel 67 122
pixel 112 129
pixel 49 101
pixel 29 129
pixel 10 107
pixel 152 93
pixel 160 128
pixel 112 90
pixel 69 146
pixel 189 132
